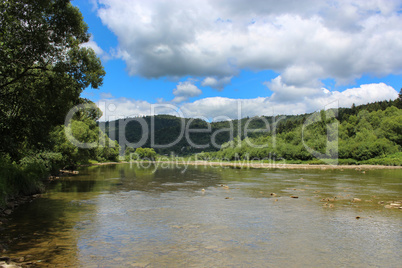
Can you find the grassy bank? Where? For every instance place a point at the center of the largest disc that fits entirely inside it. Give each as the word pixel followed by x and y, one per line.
pixel 26 177
pixel 30 175
pixel 17 180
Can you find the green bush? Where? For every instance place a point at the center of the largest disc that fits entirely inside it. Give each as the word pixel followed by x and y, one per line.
pixel 26 177
pixel 140 153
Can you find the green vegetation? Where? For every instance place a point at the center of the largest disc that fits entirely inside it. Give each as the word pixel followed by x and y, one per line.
pixel 370 133
pixel 43 70
pixel 140 153
pixel 366 137
pixel 166 130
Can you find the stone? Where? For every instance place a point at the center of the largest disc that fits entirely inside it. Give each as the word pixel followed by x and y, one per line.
pixel 11 205
pixel 8 211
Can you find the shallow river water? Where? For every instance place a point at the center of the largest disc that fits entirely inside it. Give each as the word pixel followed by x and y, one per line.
pixel 127 216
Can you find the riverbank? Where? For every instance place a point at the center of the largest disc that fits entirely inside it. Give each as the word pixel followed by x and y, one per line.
pixel 247 164
pixel 13 202
pixel 8 208
pixel 250 164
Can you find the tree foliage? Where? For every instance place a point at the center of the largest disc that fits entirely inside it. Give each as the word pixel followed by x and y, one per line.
pixel 140 153
pixel 43 70
pixel 84 129
pixel 364 136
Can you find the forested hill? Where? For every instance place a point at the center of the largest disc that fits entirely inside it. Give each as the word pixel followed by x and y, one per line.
pixel 166 129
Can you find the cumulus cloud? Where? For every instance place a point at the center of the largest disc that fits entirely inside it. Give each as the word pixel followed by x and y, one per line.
pixel 303 42
pixel 289 93
pixel 98 50
pixel 220 108
pixel 216 83
pixel 361 95
pixel 184 91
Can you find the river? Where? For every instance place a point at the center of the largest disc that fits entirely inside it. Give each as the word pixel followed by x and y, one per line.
pixel 130 216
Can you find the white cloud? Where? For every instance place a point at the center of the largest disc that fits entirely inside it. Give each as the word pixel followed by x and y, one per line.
pixel 289 93
pixel 98 50
pixel 92 44
pixel 361 95
pixel 184 91
pixel 223 108
pixel 303 42
pixel 94 4
pixel 216 83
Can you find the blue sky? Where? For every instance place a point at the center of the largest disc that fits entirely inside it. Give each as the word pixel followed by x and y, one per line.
pixel 208 58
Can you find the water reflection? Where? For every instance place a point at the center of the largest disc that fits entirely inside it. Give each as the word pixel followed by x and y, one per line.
pixel 121 215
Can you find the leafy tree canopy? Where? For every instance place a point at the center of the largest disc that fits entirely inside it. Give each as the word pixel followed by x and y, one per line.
pixel 43 69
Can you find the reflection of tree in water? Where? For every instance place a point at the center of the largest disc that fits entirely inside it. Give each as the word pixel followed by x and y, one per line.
pixel 78 186
pixel 153 179
pixel 42 230
pixel 47 228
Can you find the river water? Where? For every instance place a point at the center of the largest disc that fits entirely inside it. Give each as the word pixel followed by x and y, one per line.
pixel 129 216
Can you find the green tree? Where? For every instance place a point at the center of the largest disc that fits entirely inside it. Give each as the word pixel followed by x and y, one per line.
pixel 399 100
pixel 43 70
pixel 85 130
pixel 141 153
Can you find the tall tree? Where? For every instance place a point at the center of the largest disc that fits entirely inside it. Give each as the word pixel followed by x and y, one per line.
pixel 43 69
pixel 399 100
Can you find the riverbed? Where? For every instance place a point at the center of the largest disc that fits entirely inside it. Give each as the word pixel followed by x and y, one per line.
pixel 131 215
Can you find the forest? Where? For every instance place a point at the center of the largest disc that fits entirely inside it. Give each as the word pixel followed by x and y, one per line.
pixel 358 137
pixel 369 133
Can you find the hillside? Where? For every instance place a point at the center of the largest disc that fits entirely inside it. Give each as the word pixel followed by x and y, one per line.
pixel 375 124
